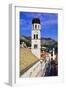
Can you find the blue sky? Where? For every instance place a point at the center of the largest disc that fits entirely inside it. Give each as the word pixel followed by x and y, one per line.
pixel 49 24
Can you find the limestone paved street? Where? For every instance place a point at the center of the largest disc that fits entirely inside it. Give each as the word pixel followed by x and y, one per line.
pixel 42 69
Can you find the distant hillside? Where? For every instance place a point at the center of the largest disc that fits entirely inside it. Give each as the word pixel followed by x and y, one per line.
pixel 47 41
pixel 44 41
pixel 27 40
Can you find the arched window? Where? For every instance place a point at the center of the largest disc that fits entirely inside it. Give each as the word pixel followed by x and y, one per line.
pixel 36 36
pixel 35 26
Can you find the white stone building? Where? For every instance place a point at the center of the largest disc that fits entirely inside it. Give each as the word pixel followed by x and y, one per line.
pixel 23 45
pixel 36 37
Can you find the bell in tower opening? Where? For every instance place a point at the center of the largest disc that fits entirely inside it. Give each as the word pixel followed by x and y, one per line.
pixel 36 37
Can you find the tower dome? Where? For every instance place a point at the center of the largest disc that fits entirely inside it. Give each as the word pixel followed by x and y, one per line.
pixel 36 20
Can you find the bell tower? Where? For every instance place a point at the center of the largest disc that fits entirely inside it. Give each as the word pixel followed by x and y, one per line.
pixel 36 37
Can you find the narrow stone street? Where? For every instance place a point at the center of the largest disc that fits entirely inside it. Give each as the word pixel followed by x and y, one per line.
pixel 42 70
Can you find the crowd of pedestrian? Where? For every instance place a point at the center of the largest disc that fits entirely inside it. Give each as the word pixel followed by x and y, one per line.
pixel 51 68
